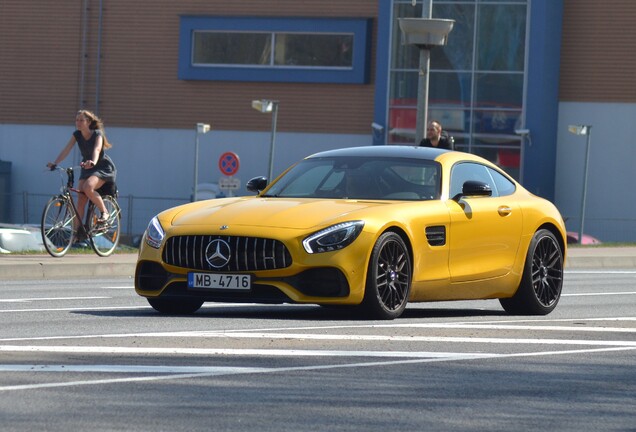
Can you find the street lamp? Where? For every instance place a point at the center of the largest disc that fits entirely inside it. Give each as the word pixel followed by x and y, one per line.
pixel 587 131
pixel 202 128
pixel 269 106
pixel 425 33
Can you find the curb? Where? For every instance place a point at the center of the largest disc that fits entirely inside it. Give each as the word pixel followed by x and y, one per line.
pixel 44 267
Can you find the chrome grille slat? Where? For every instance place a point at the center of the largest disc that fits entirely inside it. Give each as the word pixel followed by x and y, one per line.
pixel 244 254
pixel 247 253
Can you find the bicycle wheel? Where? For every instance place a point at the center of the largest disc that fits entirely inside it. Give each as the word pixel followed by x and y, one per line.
pixel 104 237
pixel 57 226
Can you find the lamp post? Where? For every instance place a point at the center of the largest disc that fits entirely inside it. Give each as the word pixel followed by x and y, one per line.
pixel 269 106
pixel 202 128
pixel 425 33
pixel 587 131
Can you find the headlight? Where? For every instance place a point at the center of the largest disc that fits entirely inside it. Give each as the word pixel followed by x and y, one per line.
pixel 154 233
pixel 333 238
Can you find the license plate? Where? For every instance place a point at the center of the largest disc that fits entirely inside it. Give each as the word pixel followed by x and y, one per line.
pixel 226 281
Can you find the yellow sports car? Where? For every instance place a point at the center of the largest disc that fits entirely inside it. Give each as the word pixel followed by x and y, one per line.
pixel 367 227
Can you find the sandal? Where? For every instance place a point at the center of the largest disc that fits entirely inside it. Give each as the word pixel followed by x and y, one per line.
pixel 103 218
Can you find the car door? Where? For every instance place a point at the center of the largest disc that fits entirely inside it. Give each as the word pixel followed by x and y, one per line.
pixel 485 231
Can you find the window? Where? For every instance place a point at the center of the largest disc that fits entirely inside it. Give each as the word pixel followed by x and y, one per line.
pixel 360 178
pixel 503 185
pixel 274 49
pixel 463 172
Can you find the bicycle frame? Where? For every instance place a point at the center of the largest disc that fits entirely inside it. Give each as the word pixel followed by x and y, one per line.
pixel 66 195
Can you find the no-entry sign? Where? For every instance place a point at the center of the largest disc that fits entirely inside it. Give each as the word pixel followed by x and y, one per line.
pixel 229 163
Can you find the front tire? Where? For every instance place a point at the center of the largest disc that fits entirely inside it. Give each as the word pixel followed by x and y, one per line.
pixel 175 306
pixel 542 280
pixel 57 226
pixel 389 276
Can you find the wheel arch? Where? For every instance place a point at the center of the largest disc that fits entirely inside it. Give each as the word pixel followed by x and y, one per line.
pixel 405 238
pixel 558 234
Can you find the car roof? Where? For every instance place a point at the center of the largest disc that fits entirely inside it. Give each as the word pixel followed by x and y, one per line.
pixel 408 152
pixel 399 151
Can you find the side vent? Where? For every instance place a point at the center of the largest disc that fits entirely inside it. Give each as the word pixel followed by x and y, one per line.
pixel 436 235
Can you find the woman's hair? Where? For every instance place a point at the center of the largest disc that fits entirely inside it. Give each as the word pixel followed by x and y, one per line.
pixel 95 124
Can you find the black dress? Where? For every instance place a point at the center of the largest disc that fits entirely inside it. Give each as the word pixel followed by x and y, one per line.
pixel 105 168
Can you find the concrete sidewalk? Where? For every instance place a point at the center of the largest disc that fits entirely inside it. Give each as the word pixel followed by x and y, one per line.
pixel 86 265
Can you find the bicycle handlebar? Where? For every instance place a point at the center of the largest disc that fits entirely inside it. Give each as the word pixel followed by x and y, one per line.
pixel 69 173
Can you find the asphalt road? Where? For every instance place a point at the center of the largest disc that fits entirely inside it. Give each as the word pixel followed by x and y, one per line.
pixel 91 355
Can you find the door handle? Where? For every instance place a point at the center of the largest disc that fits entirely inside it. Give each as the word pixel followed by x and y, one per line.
pixel 504 211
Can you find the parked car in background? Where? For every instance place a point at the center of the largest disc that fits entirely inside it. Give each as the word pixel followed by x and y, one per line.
pixel 15 238
pixel 573 238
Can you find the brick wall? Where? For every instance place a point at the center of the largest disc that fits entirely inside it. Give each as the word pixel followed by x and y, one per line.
pixel 598 52
pixel 136 85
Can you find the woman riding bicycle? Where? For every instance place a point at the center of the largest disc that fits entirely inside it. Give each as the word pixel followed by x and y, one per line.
pixel 97 167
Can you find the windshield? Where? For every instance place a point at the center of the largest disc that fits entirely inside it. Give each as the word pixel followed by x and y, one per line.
pixel 360 178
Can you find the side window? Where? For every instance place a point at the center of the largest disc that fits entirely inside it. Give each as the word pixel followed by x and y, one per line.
pixel 465 171
pixel 503 185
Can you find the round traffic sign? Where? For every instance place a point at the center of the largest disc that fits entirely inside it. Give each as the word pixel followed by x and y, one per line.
pixel 229 163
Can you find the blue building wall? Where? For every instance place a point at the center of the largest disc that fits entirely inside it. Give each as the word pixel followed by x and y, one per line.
pixel 542 97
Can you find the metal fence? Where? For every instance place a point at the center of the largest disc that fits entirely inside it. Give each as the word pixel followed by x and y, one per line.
pixel 26 209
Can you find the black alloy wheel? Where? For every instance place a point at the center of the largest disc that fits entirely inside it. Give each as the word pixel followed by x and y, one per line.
pixel 542 280
pixel 388 278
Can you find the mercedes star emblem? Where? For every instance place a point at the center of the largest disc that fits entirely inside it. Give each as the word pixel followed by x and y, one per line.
pixel 218 253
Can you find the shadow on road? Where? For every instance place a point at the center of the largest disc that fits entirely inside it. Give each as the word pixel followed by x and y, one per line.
pixel 293 312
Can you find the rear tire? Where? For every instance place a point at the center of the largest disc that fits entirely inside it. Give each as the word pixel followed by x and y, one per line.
pixel 104 237
pixel 542 280
pixel 175 306
pixel 388 278
pixel 57 226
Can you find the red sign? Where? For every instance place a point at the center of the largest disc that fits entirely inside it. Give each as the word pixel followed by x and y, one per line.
pixel 229 163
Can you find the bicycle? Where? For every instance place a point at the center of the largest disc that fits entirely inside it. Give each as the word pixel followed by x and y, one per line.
pixel 59 227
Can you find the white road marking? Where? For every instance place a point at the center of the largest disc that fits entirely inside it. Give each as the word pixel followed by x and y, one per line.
pixel 33 299
pixel 599 294
pixel 70 309
pixel 233 371
pixel 601 271
pixel 105 308
pixel 389 338
pixel 232 352
pixel 149 369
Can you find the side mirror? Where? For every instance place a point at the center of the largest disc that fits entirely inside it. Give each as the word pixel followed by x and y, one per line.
pixel 256 184
pixel 473 188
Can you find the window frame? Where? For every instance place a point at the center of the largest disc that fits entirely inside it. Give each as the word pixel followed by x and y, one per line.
pixel 358 73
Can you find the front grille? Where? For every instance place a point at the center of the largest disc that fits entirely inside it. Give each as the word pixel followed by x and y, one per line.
pixel 244 254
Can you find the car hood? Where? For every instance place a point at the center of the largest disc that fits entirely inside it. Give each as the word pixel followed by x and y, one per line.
pixel 269 212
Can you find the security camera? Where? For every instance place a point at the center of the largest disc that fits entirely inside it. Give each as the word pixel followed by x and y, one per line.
pixel 377 127
pixel 522 131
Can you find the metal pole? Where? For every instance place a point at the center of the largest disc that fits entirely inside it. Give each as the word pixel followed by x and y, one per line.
pixel 422 91
pixel 273 140
pixel 587 162
pixel 422 96
pixel 196 164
